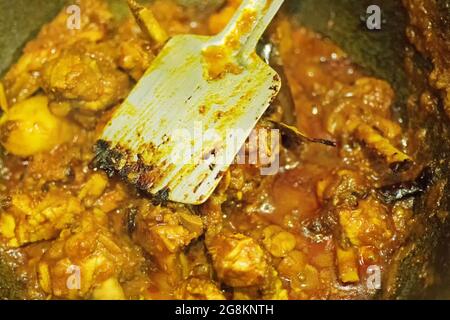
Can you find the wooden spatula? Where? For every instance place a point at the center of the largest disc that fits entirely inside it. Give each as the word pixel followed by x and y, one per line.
pixel 191 112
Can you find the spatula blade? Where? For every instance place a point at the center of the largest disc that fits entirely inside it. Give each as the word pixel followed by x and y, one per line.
pixel 178 131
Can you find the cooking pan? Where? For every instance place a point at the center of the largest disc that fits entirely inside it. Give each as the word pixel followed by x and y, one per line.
pixel 420 269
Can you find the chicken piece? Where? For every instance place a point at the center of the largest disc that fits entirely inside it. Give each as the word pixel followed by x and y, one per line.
pixel 87 260
pixel 368 224
pixel 164 232
pixel 94 187
pixel 8 227
pixel 76 68
pixel 198 264
pixel 29 128
pixel 277 241
pixel 303 277
pixel 238 260
pixel 87 81
pixel 292 265
pixel 345 188
pixel 273 288
pixel 363 111
pixel 57 165
pixel 366 98
pixel 112 198
pixel 311 278
pixel 24 78
pixel 32 217
pixel 109 290
pixel 198 289
pixel 135 56
pixel 429 32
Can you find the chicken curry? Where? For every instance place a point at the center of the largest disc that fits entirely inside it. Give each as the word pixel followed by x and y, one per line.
pixel 317 229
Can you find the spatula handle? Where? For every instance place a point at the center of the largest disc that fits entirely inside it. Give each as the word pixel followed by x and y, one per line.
pixel 248 25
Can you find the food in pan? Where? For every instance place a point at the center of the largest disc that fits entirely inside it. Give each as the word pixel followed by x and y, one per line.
pixel 334 214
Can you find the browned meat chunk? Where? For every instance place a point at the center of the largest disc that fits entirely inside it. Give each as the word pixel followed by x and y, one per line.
pixel 238 260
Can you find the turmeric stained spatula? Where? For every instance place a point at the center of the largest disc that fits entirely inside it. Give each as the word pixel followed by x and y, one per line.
pixel 188 116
